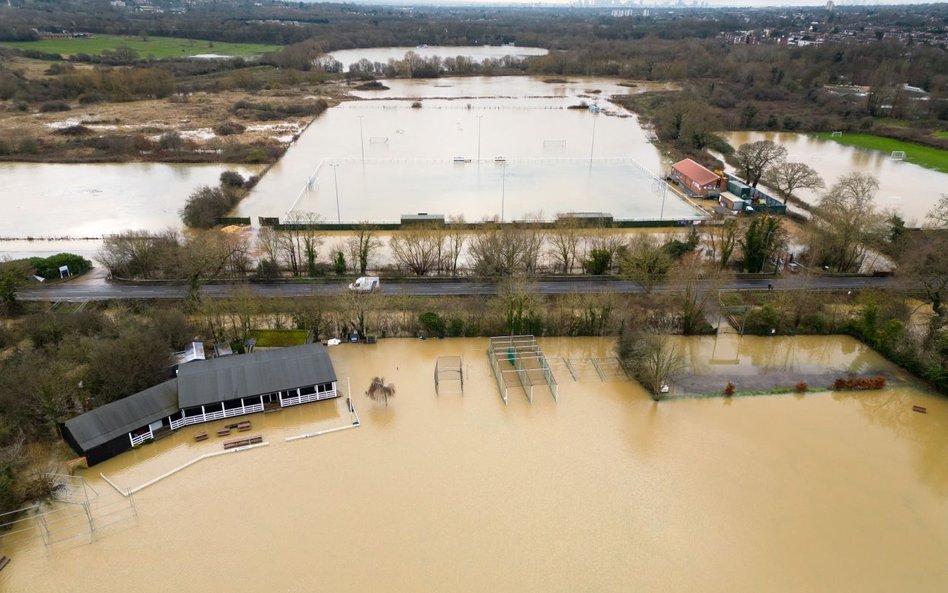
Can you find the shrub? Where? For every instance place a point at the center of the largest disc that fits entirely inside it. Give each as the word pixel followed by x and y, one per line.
pixel 74 131
pixel 268 269
pixel 232 179
pixel 229 128
pixel 859 383
pixel 729 389
pixel 801 387
pixel 54 106
pixel 171 141
pixel 432 323
pixel 48 267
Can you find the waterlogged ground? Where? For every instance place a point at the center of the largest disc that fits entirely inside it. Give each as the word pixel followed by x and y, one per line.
pixel 603 490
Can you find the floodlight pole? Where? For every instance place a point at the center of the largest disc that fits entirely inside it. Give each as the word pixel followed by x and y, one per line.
pixel 335 184
pixel 592 143
pixel 479 138
pixel 503 190
pixel 362 138
pixel 664 192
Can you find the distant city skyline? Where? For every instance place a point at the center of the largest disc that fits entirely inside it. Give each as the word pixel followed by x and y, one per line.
pixel 649 3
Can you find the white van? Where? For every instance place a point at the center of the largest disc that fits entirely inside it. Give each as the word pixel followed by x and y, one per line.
pixel 366 284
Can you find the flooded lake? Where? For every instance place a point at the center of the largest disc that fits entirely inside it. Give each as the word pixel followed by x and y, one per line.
pixel 476 147
pixel 908 189
pixel 603 490
pixel 90 200
pixel 477 53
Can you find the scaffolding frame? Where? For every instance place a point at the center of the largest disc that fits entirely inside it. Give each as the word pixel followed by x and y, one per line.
pixel 523 355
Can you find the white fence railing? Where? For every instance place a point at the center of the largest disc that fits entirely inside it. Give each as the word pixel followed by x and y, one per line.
pixel 138 440
pixel 312 397
pixel 216 415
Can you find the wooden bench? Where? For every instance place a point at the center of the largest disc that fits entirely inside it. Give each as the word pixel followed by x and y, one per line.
pixel 243 442
pixel 201 436
pixel 4 560
pixel 243 426
pixel 223 432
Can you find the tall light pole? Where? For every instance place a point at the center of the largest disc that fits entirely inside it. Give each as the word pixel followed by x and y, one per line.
pixel 592 143
pixel 664 192
pixel 479 138
pixel 335 184
pixel 503 190
pixel 362 139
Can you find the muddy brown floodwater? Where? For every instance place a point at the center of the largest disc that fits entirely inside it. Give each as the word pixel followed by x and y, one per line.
pixel 603 490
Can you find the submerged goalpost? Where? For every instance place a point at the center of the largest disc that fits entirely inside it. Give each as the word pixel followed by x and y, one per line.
pixel 518 360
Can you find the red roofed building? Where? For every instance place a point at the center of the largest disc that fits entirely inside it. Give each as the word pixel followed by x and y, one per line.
pixel 697 180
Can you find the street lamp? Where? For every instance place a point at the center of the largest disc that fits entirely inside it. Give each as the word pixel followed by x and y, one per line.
pixel 335 184
pixel 503 190
pixel 362 138
pixel 664 192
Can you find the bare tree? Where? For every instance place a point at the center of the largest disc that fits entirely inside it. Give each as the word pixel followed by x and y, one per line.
pixel 645 261
pixel 753 158
pixel 300 241
pixel 362 244
pixel 502 251
pixel 722 239
pixel 693 286
pixel 564 241
pixel 378 391
pixel 847 223
pixel 456 239
pixel 268 245
pixel 139 254
pixel 938 216
pixel 418 249
pixel 650 356
pixel 787 177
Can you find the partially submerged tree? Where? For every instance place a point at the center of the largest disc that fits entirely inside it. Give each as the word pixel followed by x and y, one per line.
pixel 361 245
pixel 847 224
pixel 787 177
pixel 418 249
pixel 380 392
pixel 651 357
pixel 753 158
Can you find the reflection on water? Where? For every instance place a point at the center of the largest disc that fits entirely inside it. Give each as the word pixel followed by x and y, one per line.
pixel 604 490
pixel 90 200
pixel 908 189
pixel 477 53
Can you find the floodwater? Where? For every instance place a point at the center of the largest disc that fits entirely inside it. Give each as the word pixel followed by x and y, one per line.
pixel 603 490
pixel 91 200
pixel 375 160
pixel 908 189
pixel 477 53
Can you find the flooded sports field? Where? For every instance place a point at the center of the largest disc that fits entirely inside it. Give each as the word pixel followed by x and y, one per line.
pixel 476 53
pixel 600 490
pixel 508 148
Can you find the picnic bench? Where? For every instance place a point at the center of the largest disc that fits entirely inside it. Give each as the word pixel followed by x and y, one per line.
pixel 243 442
pixel 4 560
pixel 223 432
pixel 243 426
pixel 201 436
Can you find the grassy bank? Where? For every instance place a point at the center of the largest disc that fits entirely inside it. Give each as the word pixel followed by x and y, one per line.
pixel 159 47
pixel 924 156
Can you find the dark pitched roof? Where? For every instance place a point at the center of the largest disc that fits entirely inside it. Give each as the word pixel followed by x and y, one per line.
pixel 114 419
pixel 208 381
pixel 695 172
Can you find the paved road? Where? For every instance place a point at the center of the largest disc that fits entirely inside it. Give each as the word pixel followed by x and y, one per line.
pixel 108 291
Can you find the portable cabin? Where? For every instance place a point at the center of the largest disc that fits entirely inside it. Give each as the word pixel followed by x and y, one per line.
pixel 695 179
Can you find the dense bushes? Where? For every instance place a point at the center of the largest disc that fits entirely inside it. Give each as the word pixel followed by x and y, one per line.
pixel 278 111
pixel 207 204
pixel 48 267
pixel 859 383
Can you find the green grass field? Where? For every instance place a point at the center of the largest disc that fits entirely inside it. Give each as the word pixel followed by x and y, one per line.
pixel 159 47
pixel 279 338
pixel 930 158
pixel 943 134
